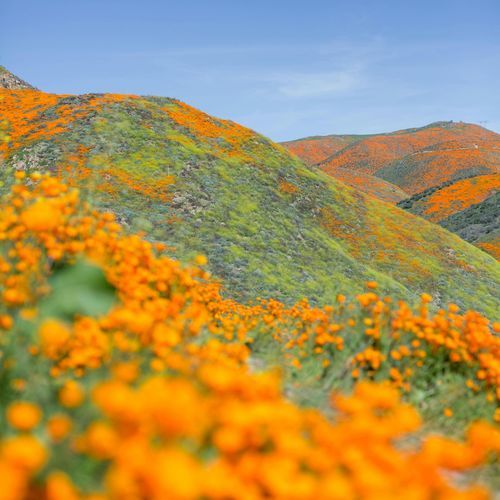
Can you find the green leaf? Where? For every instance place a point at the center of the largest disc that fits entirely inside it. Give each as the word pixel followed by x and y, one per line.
pixel 78 289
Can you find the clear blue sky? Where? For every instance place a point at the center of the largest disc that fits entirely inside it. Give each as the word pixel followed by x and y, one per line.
pixel 285 68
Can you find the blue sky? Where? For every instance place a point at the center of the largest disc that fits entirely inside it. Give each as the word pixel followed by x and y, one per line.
pixel 287 69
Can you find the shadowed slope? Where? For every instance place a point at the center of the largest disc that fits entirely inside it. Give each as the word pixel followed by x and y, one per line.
pixel 479 224
pixel 469 207
pixel 440 202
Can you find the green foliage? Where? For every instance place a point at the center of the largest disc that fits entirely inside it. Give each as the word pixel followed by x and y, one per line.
pixel 75 290
pixel 80 288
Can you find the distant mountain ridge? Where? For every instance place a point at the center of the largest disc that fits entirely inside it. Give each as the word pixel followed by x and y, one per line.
pixel 317 149
pixel 387 155
pixel 409 166
pixel 382 154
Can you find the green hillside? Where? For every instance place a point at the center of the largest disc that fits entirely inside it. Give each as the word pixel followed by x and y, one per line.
pixel 269 224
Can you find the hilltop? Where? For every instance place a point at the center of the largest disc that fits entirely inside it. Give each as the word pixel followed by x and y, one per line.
pixel 412 159
pixel 269 224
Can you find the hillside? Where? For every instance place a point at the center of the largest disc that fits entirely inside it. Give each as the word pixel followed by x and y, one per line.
pixel 442 162
pixel 479 224
pixel 391 153
pixel 422 170
pixel 11 81
pixel 411 159
pixel 313 150
pixel 442 201
pixel 369 184
pixel 270 225
pixel 469 207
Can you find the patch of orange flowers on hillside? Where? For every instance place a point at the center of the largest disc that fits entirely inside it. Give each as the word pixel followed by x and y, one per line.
pixel 369 184
pixel 376 152
pixel 155 398
pixel 287 187
pixel 22 110
pixel 460 195
pixel 226 137
pixel 492 246
pixel 316 149
pixel 449 161
pixel 29 116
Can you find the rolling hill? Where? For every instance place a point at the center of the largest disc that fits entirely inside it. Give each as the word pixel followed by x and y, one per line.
pixel 313 150
pixel 434 171
pixel 269 224
pixel 391 155
pixel 369 184
pixel 469 207
pixel 412 159
pixel 442 162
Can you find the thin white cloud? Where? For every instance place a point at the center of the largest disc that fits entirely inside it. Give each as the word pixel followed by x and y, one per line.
pixel 292 90
pixel 319 84
pixel 338 48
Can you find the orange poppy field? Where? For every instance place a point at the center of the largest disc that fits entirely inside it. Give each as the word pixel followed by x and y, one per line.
pixel 119 364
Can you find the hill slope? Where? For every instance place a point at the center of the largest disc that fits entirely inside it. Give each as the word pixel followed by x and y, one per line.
pixel 269 224
pixel 413 159
pixel 391 155
pixel 479 224
pixel 11 81
pixel 425 165
pixel 313 150
pixel 469 207
pixel 439 202
pixel 369 184
pixel 443 162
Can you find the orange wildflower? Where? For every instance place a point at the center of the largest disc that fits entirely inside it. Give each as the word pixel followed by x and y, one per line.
pixel 23 415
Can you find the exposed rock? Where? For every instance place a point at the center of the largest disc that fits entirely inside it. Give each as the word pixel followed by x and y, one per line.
pixel 12 82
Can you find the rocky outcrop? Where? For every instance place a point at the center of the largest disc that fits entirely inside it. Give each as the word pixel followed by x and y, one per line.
pixel 12 82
